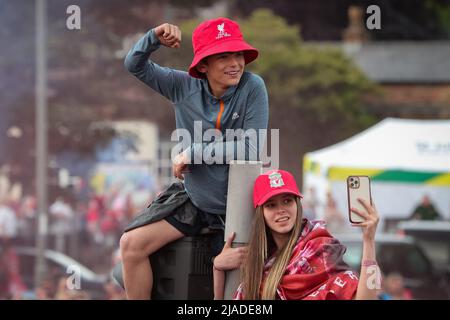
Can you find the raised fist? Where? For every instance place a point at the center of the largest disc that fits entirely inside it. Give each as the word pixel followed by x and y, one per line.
pixel 169 35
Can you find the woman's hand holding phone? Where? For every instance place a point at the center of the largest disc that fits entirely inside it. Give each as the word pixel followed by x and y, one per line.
pixel 369 226
pixel 362 211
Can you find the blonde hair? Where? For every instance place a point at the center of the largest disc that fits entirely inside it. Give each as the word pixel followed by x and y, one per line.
pixel 260 244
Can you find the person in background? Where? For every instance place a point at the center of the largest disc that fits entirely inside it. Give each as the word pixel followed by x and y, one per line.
pixel 334 218
pixel 425 210
pixel 310 204
pixel 394 288
pixel 61 226
pixel 8 220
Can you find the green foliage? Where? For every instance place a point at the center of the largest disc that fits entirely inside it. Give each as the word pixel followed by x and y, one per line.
pixel 319 80
pixel 442 13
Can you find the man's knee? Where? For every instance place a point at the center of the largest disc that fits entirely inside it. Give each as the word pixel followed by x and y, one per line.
pixel 131 245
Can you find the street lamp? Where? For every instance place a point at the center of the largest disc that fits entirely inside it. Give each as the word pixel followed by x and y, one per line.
pixel 41 138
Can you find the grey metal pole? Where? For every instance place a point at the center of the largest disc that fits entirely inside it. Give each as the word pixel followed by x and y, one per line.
pixel 240 211
pixel 41 138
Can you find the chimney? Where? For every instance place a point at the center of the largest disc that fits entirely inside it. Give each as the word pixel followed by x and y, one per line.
pixel 356 31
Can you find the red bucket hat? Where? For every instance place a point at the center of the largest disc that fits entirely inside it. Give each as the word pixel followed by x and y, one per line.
pixel 271 183
pixel 218 36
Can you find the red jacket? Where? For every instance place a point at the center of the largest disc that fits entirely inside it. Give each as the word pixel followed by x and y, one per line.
pixel 316 270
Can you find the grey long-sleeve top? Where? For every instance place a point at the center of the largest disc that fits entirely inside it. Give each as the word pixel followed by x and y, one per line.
pixel 197 110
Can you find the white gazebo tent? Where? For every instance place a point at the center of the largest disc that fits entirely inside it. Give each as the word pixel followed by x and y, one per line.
pixel 405 160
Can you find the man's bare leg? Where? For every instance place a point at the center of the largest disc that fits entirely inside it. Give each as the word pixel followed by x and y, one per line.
pixel 135 247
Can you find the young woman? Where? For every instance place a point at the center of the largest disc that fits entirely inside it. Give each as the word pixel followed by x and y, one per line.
pixel 219 94
pixel 291 258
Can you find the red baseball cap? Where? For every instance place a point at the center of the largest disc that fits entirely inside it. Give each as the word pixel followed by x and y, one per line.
pixel 218 36
pixel 271 183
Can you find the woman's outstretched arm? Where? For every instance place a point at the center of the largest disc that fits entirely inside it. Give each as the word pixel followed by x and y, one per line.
pixel 369 284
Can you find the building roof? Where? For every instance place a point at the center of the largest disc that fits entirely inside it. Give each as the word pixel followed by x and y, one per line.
pixel 400 61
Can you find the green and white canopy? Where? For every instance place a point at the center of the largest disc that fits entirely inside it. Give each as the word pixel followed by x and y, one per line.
pixel 405 160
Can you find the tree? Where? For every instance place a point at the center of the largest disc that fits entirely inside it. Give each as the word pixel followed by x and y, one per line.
pixel 326 19
pixel 318 80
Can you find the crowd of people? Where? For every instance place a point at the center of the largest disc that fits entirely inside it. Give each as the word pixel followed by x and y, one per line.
pixel 87 231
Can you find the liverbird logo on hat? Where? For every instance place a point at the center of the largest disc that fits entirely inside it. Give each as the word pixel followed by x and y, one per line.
pixel 222 33
pixel 276 180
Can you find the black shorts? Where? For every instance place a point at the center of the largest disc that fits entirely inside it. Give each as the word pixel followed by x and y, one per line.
pixel 175 206
pixel 198 220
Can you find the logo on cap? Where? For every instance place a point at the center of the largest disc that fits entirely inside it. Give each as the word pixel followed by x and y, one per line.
pixel 222 33
pixel 276 180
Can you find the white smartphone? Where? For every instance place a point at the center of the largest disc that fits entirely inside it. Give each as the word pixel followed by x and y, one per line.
pixel 358 187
